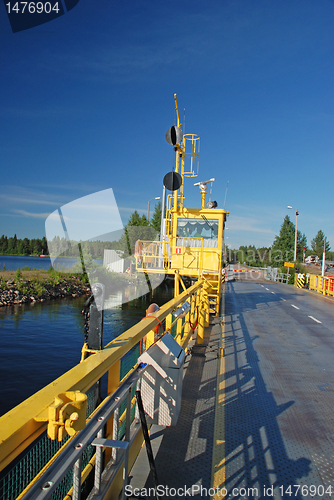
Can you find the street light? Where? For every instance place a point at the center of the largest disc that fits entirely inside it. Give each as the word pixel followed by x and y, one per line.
pixel 297 213
pixel 148 207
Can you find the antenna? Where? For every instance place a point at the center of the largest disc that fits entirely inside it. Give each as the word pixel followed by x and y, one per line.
pixel 225 195
pixel 203 188
pixel 202 184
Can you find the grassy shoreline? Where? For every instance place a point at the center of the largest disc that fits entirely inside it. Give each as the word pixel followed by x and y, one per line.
pixel 26 286
pixel 39 285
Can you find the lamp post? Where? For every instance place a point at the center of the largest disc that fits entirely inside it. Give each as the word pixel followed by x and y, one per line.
pixel 148 207
pixel 323 267
pixel 297 213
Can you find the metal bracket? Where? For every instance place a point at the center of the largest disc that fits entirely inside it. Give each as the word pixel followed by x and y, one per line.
pixel 67 415
pixel 101 443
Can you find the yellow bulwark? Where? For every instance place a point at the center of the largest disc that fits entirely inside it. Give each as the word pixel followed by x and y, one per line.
pixel 192 243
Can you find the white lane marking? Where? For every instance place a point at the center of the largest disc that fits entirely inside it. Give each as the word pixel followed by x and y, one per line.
pixel 294 306
pixel 272 292
pixel 281 298
pixel 262 286
pixel 267 289
pixel 315 319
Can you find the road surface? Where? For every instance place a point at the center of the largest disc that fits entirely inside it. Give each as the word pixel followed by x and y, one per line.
pixel 279 391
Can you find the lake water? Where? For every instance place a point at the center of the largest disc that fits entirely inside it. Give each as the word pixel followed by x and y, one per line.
pixel 41 341
pixel 14 262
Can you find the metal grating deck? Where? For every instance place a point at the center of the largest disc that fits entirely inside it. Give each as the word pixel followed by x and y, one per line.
pixel 274 422
pixel 183 453
pixel 278 408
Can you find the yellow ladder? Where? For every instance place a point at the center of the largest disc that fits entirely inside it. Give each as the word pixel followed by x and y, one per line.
pixel 214 289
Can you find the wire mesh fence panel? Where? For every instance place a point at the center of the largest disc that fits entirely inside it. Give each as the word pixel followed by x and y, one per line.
pixel 32 461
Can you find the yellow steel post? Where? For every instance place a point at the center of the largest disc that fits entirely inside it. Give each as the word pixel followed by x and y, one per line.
pixel 198 302
pixel 202 316
pixel 169 322
pixel 177 110
pixel 186 326
pixel 206 307
pixel 150 339
pixel 176 285
pixel 203 199
pixel 192 312
pixel 178 149
pixel 220 286
pixel 176 294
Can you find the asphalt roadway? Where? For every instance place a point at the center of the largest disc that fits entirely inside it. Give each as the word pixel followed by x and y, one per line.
pixel 276 401
pixel 279 391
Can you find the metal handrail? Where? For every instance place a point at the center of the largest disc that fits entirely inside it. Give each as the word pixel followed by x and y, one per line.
pixel 44 487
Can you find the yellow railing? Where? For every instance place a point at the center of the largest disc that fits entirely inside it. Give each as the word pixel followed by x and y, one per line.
pixel 149 255
pixel 191 255
pixel 22 425
pixel 321 284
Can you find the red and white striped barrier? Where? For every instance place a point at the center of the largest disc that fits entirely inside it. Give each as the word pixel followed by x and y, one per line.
pixel 245 271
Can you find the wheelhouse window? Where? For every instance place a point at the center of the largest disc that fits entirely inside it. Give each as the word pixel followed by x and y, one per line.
pixel 198 228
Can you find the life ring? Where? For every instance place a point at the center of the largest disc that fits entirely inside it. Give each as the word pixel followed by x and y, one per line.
pixel 152 308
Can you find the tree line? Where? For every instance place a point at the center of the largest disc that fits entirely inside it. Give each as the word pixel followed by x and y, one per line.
pixel 138 227
pixel 25 246
pixel 282 249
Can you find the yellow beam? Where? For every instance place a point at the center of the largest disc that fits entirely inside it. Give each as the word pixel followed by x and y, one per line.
pixel 177 111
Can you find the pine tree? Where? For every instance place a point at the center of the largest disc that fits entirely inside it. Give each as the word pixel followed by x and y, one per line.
pixel 137 228
pixel 317 244
pixel 136 220
pixel 156 217
pixel 25 246
pixel 3 244
pixel 284 245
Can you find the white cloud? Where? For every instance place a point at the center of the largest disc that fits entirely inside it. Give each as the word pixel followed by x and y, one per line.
pixel 248 224
pixel 18 199
pixel 24 213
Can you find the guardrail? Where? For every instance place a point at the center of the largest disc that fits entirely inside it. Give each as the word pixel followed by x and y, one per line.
pixel 320 284
pixel 282 277
pixel 25 449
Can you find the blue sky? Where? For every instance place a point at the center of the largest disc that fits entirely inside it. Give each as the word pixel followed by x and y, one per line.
pixel 87 99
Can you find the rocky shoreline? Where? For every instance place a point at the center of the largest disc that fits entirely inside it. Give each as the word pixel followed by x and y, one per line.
pixel 29 292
